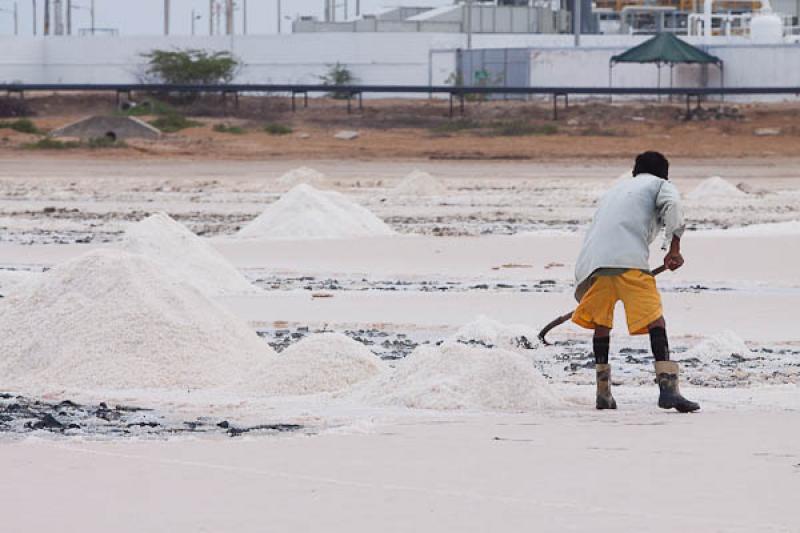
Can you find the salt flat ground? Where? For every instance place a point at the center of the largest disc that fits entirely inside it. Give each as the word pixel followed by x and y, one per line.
pixel 735 466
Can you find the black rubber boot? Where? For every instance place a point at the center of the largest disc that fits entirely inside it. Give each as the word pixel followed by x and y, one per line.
pixel 670 397
pixel 604 398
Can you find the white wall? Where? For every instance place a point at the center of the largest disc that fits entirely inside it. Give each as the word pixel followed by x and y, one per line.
pixel 744 66
pixel 385 58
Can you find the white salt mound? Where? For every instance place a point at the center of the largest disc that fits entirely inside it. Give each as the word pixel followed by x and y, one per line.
pixel 456 376
pixel 185 255
pixel 13 280
pixel 113 320
pixel 718 347
pixel 301 175
pixel 308 213
pixel 327 362
pixel 418 183
pixel 715 187
pixel 492 333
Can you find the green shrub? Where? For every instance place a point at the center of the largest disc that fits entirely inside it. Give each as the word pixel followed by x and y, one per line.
pixel 336 76
pixel 453 126
pixel 190 67
pixel 224 128
pixel 22 125
pixel 173 122
pixel 149 107
pixel 278 129
pixel 518 129
pixel 47 143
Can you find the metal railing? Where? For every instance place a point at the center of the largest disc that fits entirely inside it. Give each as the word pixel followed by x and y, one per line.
pixel 456 93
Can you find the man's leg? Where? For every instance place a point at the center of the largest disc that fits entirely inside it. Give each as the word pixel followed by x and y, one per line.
pixel 601 344
pixel 667 371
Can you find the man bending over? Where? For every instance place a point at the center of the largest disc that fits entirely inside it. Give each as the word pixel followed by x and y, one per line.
pixel 613 265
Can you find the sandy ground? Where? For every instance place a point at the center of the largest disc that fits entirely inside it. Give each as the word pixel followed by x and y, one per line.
pixel 396 129
pixel 732 467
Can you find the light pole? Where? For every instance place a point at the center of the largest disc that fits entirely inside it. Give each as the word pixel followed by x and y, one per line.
pixel 280 17
pixel 469 24
pixel 91 13
pixel 195 17
pixel 15 13
pixel 166 17
pixel 46 17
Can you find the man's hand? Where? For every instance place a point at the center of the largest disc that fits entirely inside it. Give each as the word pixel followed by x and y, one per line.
pixel 674 260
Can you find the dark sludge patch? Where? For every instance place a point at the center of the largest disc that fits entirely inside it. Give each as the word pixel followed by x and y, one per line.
pixel 20 415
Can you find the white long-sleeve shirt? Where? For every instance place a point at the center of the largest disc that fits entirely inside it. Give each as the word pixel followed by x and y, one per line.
pixel 628 219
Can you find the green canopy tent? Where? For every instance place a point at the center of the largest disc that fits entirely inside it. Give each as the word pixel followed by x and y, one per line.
pixel 665 49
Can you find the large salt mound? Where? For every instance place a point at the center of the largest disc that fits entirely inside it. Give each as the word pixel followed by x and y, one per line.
pixel 718 347
pixel 302 175
pixel 307 213
pixel 715 187
pixel 113 320
pixel 185 255
pixel 456 376
pixel 492 333
pixel 418 183
pixel 14 280
pixel 327 362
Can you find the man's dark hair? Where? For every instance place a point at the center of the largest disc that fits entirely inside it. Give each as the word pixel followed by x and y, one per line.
pixel 652 163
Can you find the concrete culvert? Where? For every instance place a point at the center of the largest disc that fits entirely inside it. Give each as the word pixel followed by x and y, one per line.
pixel 108 128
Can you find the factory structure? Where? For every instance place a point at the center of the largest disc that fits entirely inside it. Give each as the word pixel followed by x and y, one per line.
pixel 504 43
pixel 607 17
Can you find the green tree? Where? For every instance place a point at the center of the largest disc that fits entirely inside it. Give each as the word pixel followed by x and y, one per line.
pixel 337 76
pixel 190 67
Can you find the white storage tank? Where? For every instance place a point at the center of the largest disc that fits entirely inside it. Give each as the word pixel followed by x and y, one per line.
pixel 766 27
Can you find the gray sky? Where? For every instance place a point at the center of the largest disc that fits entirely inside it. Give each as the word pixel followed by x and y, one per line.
pixel 144 17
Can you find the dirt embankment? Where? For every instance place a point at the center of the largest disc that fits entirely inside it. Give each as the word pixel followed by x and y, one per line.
pixel 409 129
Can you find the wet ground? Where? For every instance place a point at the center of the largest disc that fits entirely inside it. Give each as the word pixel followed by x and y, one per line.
pixel 20 415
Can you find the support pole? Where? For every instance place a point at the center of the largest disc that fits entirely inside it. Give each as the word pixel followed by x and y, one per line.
pixel 34 17
pixel 69 17
pixel 555 106
pixel 166 17
pixel 211 17
pixel 469 24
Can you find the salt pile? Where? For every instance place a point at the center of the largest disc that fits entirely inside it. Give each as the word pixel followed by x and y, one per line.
pixel 328 362
pixel 715 187
pixel 113 320
pixel 492 333
pixel 185 255
pixel 718 347
pixel 302 175
pixel 13 280
pixel 456 376
pixel 308 213
pixel 418 183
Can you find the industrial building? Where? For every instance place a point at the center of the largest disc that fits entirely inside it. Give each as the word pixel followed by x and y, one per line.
pixel 612 17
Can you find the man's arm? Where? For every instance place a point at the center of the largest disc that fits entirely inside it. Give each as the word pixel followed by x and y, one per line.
pixel 670 210
pixel 674 260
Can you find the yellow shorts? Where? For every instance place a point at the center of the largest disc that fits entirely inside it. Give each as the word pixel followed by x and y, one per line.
pixel 638 293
